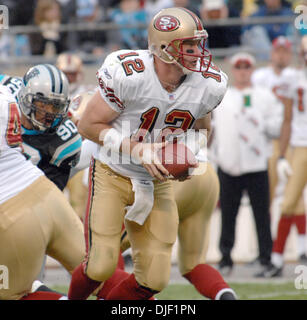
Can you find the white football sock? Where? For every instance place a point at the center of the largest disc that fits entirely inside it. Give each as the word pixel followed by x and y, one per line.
pixel 277 259
pixel 301 244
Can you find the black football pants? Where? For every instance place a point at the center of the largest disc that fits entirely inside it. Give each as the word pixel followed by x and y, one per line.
pixel 257 187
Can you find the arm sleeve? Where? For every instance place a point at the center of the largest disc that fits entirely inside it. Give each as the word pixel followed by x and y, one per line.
pixel 110 80
pixel 290 90
pixel 215 94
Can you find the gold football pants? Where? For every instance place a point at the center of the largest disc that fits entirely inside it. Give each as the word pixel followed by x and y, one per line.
pixel 37 221
pixel 196 200
pixel 77 193
pixel 272 166
pixel 151 243
pixel 293 202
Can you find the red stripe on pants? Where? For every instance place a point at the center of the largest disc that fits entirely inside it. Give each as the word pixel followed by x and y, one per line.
pixel 88 211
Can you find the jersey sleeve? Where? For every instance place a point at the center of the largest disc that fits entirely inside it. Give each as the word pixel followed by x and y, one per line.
pixel 216 89
pixel 69 144
pixel 13 84
pixel 10 126
pixel 291 88
pixel 112 82
pixel 65 156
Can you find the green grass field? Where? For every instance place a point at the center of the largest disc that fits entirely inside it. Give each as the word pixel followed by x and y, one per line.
pixel 245 291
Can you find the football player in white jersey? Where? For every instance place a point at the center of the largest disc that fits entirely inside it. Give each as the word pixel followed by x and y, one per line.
pixel 196 200
pixel 296 136
pixel 248 117
pixel 35 217
pixel 173 85
pixel 278 76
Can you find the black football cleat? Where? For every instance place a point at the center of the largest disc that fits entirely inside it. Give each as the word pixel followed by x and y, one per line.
pixel 228 295
pixel 303 258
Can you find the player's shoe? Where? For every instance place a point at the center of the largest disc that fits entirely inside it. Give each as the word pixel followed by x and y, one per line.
pixel 36 286
pixel 225 267
pixel 40 286
pixel 226 294
pixel 303 258
pixel 270 271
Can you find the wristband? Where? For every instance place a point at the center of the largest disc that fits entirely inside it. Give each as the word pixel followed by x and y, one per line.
pixel 113 140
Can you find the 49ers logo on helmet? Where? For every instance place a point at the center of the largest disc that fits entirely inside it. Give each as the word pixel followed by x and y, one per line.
pixel 166 23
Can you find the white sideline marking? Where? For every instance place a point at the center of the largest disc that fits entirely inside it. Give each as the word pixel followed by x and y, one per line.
pixel 276 294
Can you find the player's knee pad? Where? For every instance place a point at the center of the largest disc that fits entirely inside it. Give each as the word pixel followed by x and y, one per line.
pixel 101 266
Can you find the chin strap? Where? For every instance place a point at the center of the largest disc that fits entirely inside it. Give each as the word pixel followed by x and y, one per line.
pixel 184 70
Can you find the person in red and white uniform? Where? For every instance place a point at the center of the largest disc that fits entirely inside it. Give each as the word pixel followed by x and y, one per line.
pixel 248 117
pixel 295 136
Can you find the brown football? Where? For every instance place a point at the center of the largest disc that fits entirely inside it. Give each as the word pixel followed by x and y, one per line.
pixel 177 158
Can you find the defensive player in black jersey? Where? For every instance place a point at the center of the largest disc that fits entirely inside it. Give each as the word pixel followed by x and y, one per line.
pixel 50 139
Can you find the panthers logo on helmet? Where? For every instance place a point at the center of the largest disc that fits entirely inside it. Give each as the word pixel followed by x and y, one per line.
pixel 167 23
pixel 31 74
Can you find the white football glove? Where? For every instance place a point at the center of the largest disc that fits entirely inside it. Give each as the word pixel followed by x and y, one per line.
pixel 284 169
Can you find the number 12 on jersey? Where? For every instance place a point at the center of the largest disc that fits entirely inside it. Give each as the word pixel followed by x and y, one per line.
pixel 131 65
pixel 149 118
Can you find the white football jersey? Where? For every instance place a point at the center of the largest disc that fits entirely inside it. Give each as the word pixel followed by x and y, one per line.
pixel 298 92
pixel 129 84
pixel 278 83
pixel 16 173
pixel 12 83
pixel 244 123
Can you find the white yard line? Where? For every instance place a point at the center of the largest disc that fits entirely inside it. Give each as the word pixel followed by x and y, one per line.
pixel 276 294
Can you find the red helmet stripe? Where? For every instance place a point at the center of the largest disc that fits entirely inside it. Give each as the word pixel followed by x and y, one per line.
pixel 198 23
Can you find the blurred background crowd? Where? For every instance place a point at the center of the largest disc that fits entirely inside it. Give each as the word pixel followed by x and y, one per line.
pixel 95 27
